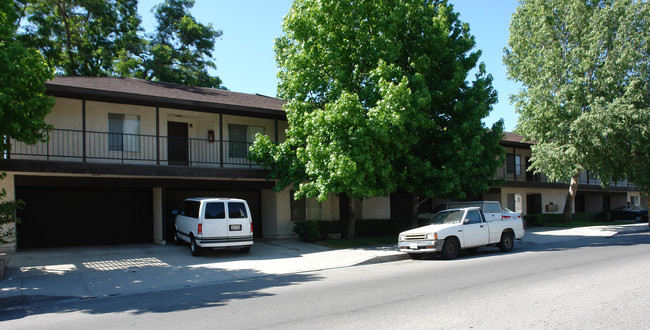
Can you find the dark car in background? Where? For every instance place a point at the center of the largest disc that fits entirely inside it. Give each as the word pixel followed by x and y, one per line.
pixel 629 212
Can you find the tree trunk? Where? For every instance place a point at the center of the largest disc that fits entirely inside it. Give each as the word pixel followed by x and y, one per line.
pixel 417 201
pixel 570 198
pixel 352 219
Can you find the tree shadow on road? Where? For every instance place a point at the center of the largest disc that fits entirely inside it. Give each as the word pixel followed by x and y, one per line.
pixel 188 298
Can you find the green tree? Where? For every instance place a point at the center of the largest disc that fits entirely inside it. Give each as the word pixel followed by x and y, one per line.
pixel 179 51
pixel 82 37
pixel 586 76
pixel 23 104
pixel 377 100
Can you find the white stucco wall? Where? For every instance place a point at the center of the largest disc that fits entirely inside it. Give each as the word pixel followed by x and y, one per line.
pixel 8 185
pixel 376 208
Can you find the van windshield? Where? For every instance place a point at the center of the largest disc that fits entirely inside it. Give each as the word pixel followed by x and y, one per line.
pixel 445 217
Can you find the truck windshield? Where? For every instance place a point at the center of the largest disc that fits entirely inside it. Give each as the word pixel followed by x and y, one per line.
pixel 446 217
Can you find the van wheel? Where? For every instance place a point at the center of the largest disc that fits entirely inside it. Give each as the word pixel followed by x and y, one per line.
pixel 450 249
pixel 245 249
pixel 507 242
pixel 194 248
pixel 177 240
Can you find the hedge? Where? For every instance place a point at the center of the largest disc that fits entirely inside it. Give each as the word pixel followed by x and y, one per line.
pixel 533 220
pixel 307 230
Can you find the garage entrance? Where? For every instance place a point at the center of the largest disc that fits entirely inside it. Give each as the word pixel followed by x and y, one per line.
pixel 77 216
pixel 174 198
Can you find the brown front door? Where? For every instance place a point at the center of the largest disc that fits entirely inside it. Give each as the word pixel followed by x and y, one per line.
pixel 177 149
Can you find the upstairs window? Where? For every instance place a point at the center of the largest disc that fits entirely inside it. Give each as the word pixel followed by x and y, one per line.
pixel 123 132
pixel 513 164
pixel 241 137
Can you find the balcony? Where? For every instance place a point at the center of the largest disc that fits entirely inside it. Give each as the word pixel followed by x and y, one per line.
pixel 134 149
pixel 518 173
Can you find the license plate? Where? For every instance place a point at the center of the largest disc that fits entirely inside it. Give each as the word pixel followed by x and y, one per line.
pixel 235 227
pixel 413 246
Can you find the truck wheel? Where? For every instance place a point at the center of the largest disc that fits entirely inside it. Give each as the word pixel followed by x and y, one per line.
pixel 450 249
pixel 507 242
pixel 415 256
pixel 637 218
pixel 195 248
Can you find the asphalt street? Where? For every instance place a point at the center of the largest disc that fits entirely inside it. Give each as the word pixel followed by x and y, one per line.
pixel 586 283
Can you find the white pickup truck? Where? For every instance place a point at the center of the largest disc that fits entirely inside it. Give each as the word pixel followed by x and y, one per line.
pixel 449 231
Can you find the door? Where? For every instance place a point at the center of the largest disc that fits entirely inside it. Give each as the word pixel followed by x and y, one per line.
pixel 606 203
pixel 534 204
pixel 177 139
pixel 475 232
pixel 215 224
pixel 239 225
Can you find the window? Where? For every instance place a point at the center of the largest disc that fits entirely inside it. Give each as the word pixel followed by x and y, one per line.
pixel 513 164
pixel 241 137
pixel 190 209
pixel 237 210
pixel 492 208
pixel 474 217
pixel 215 211
pixel 124 132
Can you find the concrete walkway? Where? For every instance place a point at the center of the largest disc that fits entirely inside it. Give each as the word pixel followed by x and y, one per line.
pixel 36 276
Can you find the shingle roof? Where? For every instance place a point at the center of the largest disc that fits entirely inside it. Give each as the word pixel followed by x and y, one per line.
pixel 514 137
pixel 132 88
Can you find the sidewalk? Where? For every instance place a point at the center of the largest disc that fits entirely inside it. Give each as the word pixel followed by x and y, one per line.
pixel 90 272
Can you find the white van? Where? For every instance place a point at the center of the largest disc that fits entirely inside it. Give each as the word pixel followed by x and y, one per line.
pixel 214 223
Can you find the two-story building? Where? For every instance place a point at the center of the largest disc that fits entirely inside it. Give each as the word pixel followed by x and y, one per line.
pixel 124 152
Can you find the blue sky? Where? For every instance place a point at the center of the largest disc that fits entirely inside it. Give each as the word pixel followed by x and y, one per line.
pixel 245 59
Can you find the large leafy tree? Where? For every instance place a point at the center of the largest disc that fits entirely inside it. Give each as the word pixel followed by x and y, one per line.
pixel 23 104
pixel 179 51
pixel 377 100
pixel 586 76
pixel 81 37
pixel 104 38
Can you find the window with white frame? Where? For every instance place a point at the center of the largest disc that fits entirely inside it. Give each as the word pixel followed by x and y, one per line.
pixel 124 132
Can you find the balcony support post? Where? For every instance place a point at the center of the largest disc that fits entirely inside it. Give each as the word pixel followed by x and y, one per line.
pixel 514 159
pixel 83 129
pixel 157 135
pixel 221 139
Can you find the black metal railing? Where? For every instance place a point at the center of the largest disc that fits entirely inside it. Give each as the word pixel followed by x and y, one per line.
pixel 89 146
pixel 519 173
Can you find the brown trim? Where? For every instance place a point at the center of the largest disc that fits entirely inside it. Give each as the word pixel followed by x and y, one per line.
pixel 153 101
pixel 166 184
pixel 37 166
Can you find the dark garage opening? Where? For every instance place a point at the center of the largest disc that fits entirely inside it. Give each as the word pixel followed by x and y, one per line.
pixel 79 216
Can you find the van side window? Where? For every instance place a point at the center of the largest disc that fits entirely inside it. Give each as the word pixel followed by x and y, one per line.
pixel 190 209
pixel 237 210
pixel 215 211
pixel 491 208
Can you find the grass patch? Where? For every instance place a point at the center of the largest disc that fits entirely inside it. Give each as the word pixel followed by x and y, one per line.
pixel 576 224
pixel 357 242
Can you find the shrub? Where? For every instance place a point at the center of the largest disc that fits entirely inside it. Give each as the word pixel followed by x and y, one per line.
pixel 307 231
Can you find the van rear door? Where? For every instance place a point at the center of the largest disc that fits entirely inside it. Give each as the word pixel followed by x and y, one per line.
pixel 239 220
pixel 215 224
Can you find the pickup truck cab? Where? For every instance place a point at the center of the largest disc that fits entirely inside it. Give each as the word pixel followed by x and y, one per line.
pixel 214 223
pixel 451 230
